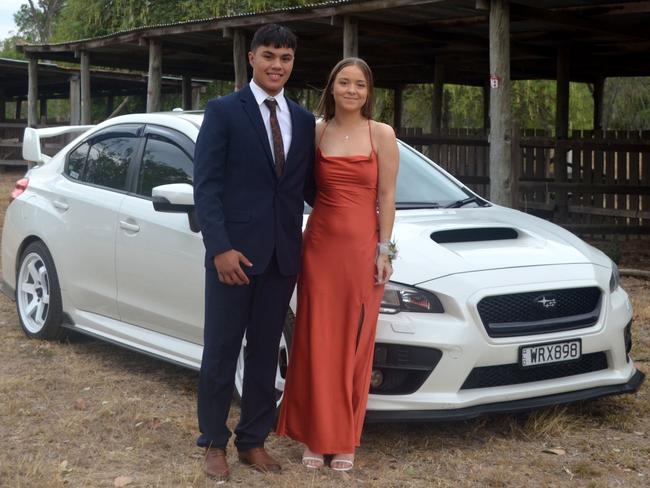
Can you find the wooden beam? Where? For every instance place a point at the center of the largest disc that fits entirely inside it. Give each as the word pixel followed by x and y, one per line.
pixel 110 104
pixel 3 106
pixel 32 93
pixel 43 109
pixel 350 37
pixel 561 130
pixel 155 76
pixel 486 105
pixel 500 107
pixel 186 92
pixel 599 92
pixel 75 100
pixel 397 110
pixel 438 92
pixel 85 100
pixel 240 58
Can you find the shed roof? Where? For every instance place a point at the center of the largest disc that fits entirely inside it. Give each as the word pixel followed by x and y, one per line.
pixel 401 39
pixel 53 81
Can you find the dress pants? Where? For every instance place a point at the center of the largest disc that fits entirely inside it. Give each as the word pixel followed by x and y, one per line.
pixel 257 310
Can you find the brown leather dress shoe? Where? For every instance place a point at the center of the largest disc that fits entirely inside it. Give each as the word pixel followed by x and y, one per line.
pixel 260 460
pixel 215 464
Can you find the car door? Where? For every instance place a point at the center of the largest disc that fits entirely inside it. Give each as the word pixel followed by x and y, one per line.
pixel 88 197
pixel 160 271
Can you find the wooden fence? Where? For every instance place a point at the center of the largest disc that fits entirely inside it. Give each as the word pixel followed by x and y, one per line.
pixel 605 189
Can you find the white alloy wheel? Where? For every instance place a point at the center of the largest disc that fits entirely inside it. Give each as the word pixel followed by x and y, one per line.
pixel 38 298
pixel 281 368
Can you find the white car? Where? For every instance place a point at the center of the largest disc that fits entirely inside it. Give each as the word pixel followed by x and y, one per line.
pixel 489 310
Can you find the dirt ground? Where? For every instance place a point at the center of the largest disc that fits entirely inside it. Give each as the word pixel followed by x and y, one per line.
pixel 81 413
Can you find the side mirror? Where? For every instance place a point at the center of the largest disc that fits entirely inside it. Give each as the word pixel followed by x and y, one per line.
pixel 176 198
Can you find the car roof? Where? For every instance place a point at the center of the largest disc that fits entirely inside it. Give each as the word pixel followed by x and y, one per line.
pixel 195 117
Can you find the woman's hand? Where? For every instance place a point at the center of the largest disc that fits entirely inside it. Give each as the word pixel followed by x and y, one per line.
pixel 384 269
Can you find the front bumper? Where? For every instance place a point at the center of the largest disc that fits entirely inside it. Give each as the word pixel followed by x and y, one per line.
pixel 507 407
pixel 465 347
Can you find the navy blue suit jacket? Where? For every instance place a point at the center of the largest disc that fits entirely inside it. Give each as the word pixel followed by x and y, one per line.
pixel 240 202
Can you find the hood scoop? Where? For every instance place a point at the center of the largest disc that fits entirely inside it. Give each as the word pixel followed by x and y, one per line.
pixel 476 234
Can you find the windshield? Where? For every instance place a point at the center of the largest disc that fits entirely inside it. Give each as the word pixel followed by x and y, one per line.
pixel 421 185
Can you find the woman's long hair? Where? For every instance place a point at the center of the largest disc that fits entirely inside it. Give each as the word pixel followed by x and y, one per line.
pixel 327 107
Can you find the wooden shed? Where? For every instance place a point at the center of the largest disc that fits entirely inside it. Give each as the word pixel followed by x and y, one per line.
pixel 485 43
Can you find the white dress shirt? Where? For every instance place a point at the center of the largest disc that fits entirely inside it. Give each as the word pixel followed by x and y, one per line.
pixel 282 111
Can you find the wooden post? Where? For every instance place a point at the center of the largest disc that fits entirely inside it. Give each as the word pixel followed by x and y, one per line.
pixel 599 92
pixel 397 104
pixel 110 105
pixel 562 129
pixel 239 58
pixel 75 100
pixel 19 103
pixel 155 76
pixel 43 110
pixel 186 92
pixel 32 93
pixel 516 165
pixel 196 97
pixel 500 105
pixel 84 88
pixel 438 91
pixel 3 106
pixel 486 105
pixel 350 37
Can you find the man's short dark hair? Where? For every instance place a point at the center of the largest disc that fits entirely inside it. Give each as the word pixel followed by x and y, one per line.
pixel 274 35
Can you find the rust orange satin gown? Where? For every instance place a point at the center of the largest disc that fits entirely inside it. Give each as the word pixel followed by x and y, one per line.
pixel 330 363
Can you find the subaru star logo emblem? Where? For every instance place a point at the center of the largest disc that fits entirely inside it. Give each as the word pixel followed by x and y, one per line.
pixel 546 301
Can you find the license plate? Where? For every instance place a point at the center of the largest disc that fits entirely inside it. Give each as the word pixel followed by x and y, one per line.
pixel 556 352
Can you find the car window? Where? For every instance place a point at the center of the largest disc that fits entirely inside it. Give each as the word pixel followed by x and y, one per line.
pixel 418 181
pixel 163 162
pixel 108 161
pixel 77 161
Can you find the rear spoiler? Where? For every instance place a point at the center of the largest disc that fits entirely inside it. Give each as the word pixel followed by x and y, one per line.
pixel 32 140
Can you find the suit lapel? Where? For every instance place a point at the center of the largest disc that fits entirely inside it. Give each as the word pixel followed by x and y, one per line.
pixel 251 108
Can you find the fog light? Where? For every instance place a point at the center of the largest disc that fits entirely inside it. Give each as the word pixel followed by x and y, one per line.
pixel 376 378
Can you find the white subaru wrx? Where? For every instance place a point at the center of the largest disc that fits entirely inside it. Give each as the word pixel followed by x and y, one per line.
pixel 489 310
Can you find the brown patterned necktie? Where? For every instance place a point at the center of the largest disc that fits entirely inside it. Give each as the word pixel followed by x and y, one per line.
pixel 276 135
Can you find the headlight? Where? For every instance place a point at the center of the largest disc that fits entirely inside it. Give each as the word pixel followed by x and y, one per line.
pixel 399 298
pixel 614 279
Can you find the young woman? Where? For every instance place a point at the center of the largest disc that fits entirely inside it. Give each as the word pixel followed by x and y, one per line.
pixel 345 263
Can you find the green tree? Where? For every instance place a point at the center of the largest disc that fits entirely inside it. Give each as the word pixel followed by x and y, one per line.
pixel 36 20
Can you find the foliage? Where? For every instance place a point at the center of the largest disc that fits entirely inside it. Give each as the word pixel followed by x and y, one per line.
pixel 8 48
pixel 82 19
pixel 36 20
pixel 627 104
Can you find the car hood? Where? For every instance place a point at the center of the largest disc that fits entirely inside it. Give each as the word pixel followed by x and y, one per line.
pixel 476 239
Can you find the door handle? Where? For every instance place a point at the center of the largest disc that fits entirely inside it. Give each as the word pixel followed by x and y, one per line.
pixel 60 205
pixel 129 226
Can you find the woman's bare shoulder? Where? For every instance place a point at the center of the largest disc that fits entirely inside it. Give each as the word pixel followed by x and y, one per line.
pixel 382 132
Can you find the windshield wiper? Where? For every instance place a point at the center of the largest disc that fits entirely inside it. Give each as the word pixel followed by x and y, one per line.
pixel 465 201
pixel 414 205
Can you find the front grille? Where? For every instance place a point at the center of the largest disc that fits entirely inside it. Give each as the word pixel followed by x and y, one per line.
pixel 513 374
pixel 540 312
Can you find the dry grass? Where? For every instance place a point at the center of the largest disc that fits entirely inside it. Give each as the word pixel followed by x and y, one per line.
pixel 80 413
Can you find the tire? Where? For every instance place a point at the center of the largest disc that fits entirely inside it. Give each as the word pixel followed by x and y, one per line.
pixel 283 361
pixel 38 294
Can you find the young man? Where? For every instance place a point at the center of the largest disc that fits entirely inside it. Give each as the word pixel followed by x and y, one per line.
pixel 253 155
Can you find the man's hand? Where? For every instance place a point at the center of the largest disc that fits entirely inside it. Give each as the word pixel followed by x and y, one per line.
pixel 229 269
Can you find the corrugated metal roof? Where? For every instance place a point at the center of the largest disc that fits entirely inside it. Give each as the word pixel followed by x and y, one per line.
pixel 295 8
